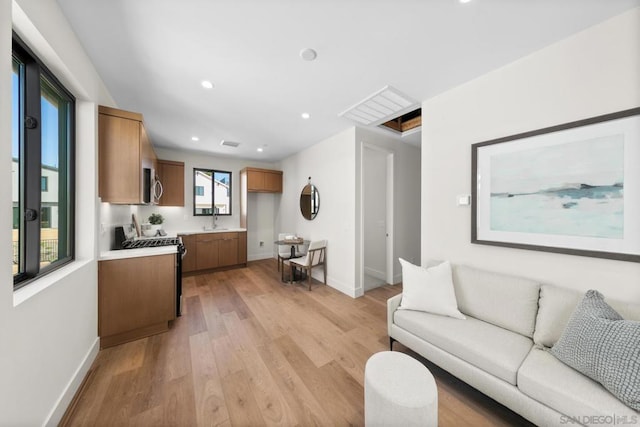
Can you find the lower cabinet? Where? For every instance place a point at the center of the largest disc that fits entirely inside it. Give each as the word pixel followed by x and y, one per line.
pixel 189 258
pixel 136 297
pixel 206 251
pixel 228 254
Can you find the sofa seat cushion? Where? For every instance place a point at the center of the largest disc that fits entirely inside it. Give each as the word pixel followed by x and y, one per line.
pixel 549 381
pixel 495 350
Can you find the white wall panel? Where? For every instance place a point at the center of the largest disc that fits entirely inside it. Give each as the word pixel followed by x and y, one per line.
pixel 331 166
pixel 591 73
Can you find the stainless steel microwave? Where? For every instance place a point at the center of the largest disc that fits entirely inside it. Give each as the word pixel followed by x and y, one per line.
pixel 151 187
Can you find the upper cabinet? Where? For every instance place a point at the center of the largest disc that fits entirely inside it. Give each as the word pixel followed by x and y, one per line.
pixel 263 180
pixel 171 176
pixel 254 180
pixel 124 152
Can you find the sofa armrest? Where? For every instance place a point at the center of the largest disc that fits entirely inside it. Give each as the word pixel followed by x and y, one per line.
pixel 392 305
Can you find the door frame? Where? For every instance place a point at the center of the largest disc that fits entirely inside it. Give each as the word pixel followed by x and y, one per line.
pixel 390 240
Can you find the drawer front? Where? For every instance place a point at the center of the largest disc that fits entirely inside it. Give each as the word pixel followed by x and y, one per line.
pixel 209 237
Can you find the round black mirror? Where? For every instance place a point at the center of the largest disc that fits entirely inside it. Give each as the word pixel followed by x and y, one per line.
pixel 309 201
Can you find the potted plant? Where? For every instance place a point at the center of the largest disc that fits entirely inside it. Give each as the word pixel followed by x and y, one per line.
pixel 156 219
pixel 155 223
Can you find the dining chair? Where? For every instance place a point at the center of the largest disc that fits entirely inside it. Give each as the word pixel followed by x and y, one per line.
pixel 284 251
pixel 316 256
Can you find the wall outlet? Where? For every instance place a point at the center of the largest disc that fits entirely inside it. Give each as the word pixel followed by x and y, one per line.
pixel 261 244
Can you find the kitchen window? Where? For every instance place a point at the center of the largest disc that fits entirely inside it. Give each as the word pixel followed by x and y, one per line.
pixel 211 192
pixel 42 169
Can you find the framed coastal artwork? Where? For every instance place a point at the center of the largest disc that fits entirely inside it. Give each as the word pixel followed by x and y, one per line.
pixel 572 188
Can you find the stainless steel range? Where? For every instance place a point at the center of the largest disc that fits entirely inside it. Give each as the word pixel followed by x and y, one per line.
pixel 151 242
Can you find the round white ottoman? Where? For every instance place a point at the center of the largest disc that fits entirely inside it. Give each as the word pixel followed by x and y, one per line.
pixel 399 391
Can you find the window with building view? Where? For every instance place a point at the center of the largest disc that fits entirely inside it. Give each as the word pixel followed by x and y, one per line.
pixel 42 168
pixel 211 192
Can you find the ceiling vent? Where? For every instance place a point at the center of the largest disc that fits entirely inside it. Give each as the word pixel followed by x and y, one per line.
pixel 384 105
pixel 229 143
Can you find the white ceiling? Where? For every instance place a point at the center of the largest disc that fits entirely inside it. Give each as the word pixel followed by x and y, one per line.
pixel 153 55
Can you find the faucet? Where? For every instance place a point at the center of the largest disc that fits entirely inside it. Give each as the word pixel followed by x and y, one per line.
pixel 214 224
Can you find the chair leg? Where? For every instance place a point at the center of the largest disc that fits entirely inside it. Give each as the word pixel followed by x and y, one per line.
pixel 291 274
pixel 309 276
pixel 324 269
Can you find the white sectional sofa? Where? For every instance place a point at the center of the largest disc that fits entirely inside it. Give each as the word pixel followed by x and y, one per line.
pixel 502 348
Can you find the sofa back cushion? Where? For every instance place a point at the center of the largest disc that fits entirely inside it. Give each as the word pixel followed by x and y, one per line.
pixel 506 301
pixel 556 306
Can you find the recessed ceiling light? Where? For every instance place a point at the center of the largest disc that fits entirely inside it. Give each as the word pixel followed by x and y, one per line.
pixel 260 150
pixel 207 84
pixel 195 138
pixel 464 1
pixel 305 115
pixel 308 54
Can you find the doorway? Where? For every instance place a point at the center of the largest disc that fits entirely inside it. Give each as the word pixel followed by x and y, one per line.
pixel 377 216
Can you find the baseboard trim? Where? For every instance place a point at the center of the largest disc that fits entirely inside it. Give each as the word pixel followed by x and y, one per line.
pixel 259 256
pixel 375 273
pixel 397 279
pixel 337 285
pixel 59 409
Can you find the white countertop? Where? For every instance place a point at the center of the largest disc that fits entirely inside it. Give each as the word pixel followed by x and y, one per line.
pixel 135 253
pixel 217 230
pixel 160 250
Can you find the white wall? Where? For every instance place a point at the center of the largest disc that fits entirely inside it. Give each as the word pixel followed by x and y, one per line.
pixel 335 166
pixel 261 213
pixel 48 329
pixel 260 225
pixel 331 166
pixel 591 73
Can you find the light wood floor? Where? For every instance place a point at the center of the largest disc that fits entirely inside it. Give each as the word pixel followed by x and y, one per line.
pixel 250 350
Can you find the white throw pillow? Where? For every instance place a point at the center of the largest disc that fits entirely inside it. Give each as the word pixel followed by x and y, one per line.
pixel 429 289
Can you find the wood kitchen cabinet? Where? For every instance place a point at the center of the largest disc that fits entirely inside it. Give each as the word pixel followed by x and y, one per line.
pixel 189 258
pixel 242 248
pixel 136 297
pixel 124 150
pixel 228 254
pixel 254 180
pixel 263 180
pixel 171 176
pixel 207 251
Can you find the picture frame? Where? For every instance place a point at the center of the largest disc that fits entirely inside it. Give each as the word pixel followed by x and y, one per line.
pixel 572 188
